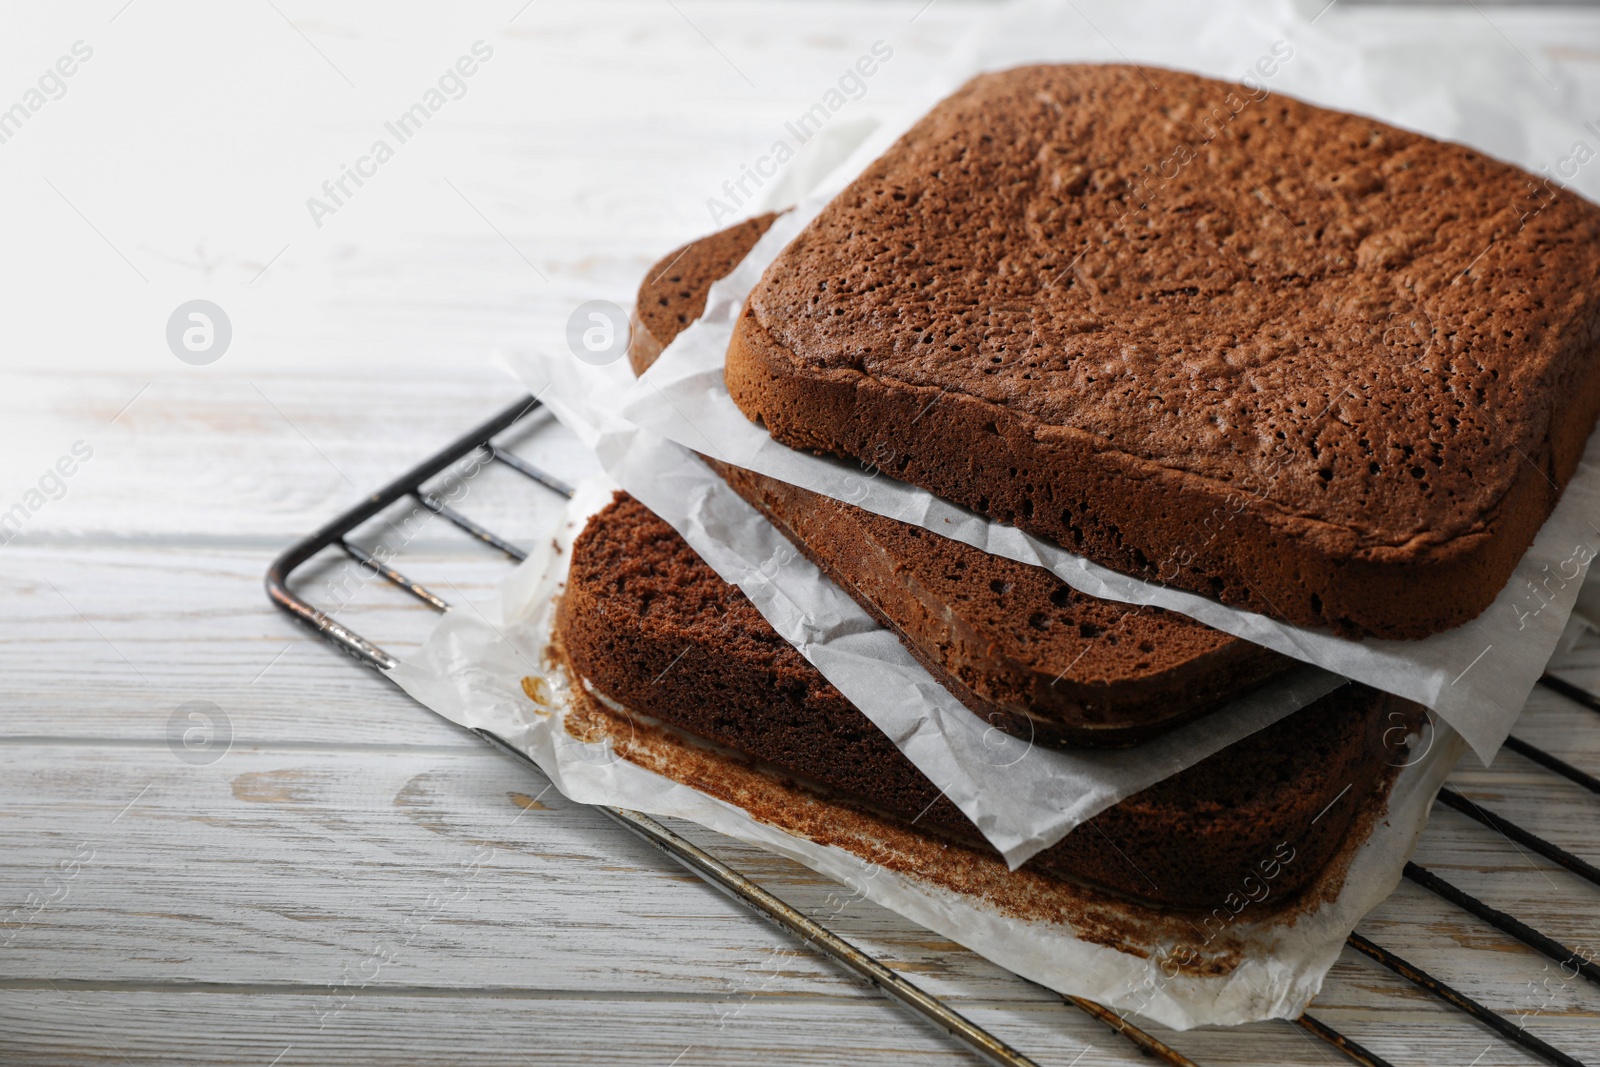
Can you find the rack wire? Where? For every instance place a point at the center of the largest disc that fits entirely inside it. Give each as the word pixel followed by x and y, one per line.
pixel 335 535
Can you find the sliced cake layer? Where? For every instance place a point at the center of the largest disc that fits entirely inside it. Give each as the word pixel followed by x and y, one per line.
pixel 1012 642
pixel 673 293
pixel 649 625
pixel 1294 359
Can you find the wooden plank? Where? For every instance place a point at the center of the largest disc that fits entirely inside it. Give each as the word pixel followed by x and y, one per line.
pixel 283 868
pixel 259 461
pixel 47 1027
pixel 108 642
pixel 72 1026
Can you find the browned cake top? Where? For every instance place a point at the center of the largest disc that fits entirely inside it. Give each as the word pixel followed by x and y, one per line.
pixel 1360 325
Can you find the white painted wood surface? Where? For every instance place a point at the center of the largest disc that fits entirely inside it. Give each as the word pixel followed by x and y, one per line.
pixel 302 899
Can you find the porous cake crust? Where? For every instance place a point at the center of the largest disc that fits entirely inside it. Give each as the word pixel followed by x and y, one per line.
pixel 1294 359
pixel 651 626
pixel 674 291
pixel 1014 643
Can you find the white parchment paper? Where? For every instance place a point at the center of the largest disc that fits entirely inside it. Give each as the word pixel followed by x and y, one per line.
pixel 1022 797
pixel 1475 676
pixel 470 670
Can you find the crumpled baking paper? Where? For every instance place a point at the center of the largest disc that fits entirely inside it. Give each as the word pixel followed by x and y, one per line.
pixel 1475 676
pixel 1022 797
pixel 470 670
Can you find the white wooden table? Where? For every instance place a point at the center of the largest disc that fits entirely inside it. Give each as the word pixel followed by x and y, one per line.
pixel 340 877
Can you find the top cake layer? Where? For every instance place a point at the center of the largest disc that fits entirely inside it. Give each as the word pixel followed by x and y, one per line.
pixel 1296 359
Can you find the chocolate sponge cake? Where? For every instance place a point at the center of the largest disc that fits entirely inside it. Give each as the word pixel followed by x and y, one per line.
pixel 1014 643
pixel 1297 360
pixel 674 291
pixel 649 625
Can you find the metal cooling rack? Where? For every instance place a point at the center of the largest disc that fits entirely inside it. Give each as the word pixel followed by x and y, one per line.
pixel 481 440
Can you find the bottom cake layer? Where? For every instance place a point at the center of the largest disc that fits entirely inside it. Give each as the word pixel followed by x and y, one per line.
pixel 652 627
